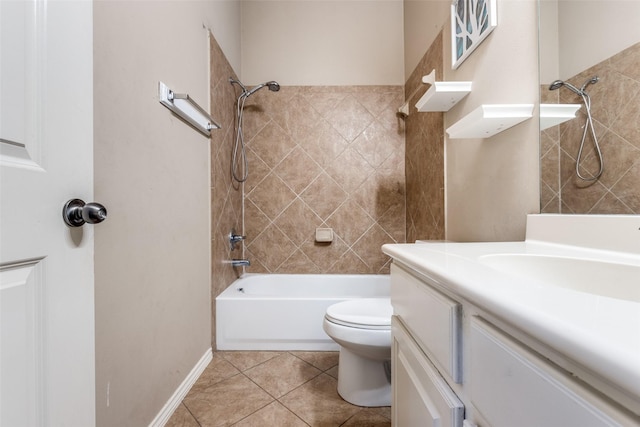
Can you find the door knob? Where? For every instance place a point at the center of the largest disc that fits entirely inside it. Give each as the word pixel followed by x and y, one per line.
pixel 76 212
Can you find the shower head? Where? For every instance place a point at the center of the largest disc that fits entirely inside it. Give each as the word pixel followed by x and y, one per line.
pixel 559 83
pixel 556 85
pixel 272 85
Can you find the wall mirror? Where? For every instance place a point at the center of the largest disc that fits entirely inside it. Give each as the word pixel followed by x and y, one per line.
pixel 590 106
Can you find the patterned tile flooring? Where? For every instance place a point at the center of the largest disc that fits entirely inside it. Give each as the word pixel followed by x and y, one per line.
pixel 272 389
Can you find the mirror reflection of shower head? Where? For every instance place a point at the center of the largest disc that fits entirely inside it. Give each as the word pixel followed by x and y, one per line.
pixel 588 126
pixel 559 83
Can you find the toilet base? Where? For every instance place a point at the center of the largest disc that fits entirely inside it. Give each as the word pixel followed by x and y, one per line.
pixel 362 381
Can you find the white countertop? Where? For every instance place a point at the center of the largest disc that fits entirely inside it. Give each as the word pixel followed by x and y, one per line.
pixel 600 334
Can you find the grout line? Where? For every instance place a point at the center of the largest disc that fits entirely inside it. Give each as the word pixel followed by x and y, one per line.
pixel 192 414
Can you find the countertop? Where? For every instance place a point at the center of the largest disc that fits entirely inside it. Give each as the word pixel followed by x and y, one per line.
pixel 600 334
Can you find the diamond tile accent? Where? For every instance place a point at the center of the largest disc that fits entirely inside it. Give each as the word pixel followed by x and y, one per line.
pixel 349 118
pixel 350 170
pixel 368 248
pixel 323 143
pixel 272 247
pixel 270 153
pixel 350 221
pixel 299 222
pixel 272 195
pixel 296 117
pixel 324 255
pixel 376 143
pixel 298 169
pixel 324 195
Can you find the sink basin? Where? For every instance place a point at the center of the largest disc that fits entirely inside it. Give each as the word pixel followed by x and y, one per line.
pixel 609 279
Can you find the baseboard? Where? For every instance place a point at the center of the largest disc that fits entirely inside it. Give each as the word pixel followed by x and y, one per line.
pixel 172 404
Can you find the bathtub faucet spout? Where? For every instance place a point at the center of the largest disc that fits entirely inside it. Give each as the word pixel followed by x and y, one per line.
pixel 240 262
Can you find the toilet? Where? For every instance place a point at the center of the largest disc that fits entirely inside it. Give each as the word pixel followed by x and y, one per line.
pixel 362 328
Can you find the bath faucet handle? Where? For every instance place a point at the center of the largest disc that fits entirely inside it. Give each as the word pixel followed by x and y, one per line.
pixel 235 238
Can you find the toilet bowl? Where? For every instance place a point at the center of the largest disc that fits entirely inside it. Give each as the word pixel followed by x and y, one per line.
pixel 362 328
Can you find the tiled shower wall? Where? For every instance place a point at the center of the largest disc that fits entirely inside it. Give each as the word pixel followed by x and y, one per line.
pixel 226 198
pixel 425 155
pixel 324 157
pixel 615 107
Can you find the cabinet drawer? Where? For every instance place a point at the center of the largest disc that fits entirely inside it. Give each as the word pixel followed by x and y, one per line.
pixel 421 397
pixel 511 385
pixel 433 319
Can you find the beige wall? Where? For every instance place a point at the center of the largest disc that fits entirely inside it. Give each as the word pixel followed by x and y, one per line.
pixel 592 31
pixel 491 184
pixel 224 22
pixel 315 42
pixel 549 54
pixel 152 172
pixel 423 22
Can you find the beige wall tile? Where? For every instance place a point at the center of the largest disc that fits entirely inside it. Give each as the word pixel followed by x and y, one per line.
pixel 318 157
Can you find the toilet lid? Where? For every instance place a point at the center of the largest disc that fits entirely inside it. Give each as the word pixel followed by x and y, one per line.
pixel 369 313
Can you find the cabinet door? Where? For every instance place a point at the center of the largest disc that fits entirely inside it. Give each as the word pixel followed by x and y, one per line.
pixel 433 319
pixel 513 386
pixel 421 397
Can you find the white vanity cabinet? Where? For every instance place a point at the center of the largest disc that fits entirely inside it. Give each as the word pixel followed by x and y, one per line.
pixel 452 368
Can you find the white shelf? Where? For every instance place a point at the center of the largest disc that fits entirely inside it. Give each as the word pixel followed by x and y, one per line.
pixel 490 119
pixel 441 96
pixel 554 114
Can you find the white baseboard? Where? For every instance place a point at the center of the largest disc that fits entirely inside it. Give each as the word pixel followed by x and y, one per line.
pixel 172 404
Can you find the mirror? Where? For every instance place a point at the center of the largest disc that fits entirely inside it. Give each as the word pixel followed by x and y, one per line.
pixel 590 57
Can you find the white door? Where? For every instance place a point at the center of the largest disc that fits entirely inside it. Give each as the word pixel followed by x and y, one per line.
pixel 47 363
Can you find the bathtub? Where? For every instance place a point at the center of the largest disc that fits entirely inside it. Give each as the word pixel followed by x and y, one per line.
pixel 285 311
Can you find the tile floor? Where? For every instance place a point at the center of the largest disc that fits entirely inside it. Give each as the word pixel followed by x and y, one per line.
pixel 272 389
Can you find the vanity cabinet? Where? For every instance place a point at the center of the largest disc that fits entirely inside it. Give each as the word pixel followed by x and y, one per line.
pixel 454 365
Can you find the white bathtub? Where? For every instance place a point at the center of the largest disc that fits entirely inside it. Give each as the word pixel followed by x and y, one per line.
pixel 285 311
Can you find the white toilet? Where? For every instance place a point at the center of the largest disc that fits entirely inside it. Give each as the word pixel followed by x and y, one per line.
pixel 362 328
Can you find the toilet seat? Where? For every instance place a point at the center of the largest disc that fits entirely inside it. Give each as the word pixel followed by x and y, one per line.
pixel 365 313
